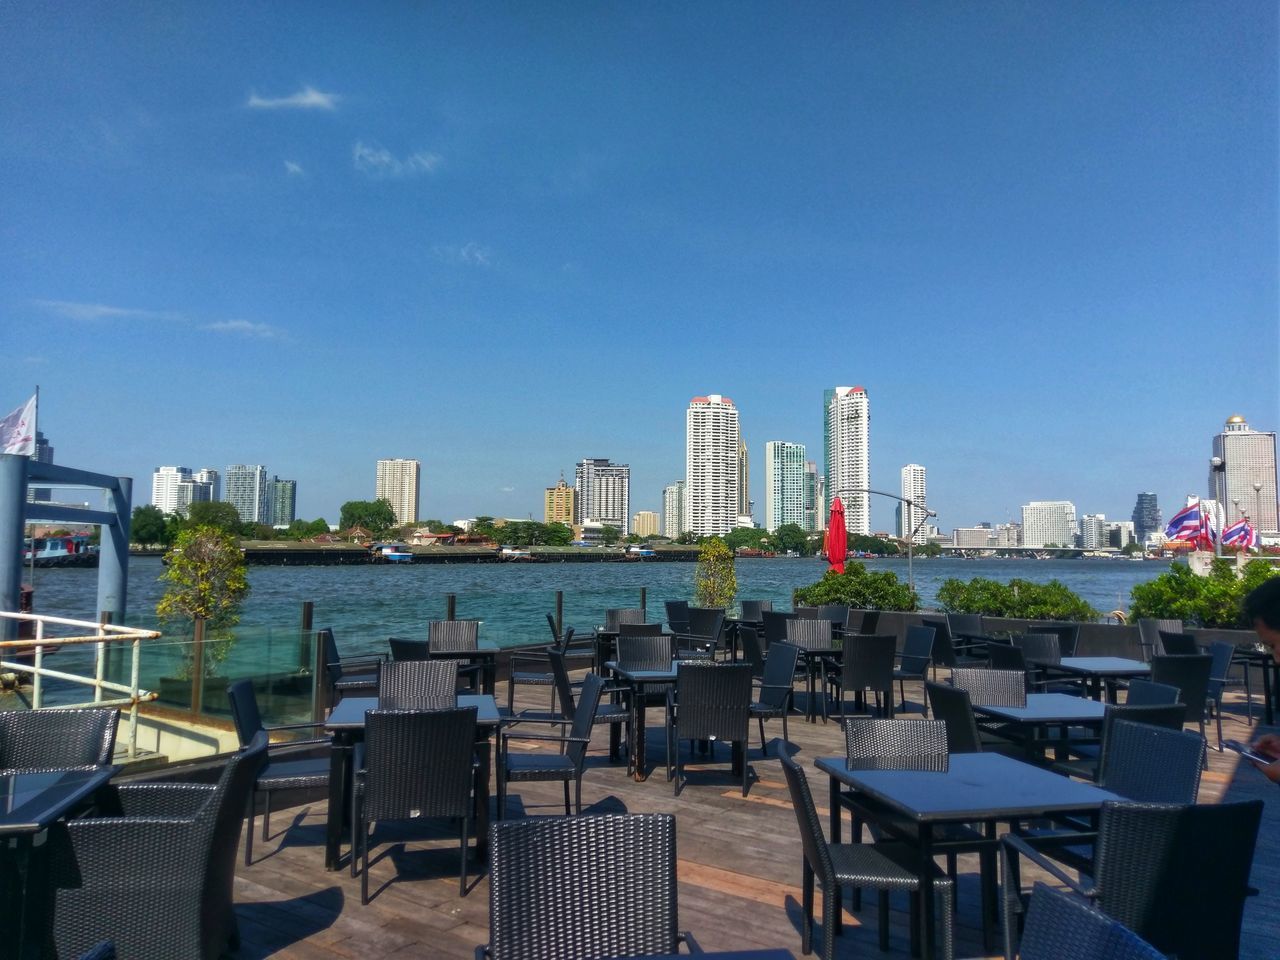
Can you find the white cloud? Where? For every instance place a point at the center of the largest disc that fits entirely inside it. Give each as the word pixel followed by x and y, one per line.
pixel 308 98
pixel 245 328
pixel 100 311
pixel 381 162
pixel 294 169
pixel 470 254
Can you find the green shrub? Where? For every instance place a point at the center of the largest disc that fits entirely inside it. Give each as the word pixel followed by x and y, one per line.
pixel 1017 599
pixel 1212 601
pixel 715 583
pixel 859 587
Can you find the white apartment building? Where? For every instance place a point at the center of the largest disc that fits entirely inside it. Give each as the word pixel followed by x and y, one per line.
pixel 1094 531
pixel 164 487
pixel 909 517
pixel 644 523
pixel 209 477
pixel 1049 522
pixel 973 537
pixel 247 491
pixel 847 435
pixel 784 484
pixel 674 520
pixel 398 482
pixel 603 494
pixel 712 435
pixel 1008 535
pixel 1246 483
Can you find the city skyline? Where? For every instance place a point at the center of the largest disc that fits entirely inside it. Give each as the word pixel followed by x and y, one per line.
pixel 952 206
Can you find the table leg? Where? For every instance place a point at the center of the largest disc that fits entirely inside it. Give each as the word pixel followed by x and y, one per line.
pixel 833 806
pixel 339 799
pixel 928 909
pixel 639 773
pixel 489 676
pixel 484 754
pixel 1268 692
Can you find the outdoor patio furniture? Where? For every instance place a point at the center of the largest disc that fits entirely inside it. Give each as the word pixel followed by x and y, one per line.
pixel 883 866
pixel 1042 652
pixel 106 950
pixel 813 636
pixel 945 654
pixel 994 688
pixel 1222 653
pixel 51 739
pixel 1177 875
pixel 414 764
pixel 1149 634
pixel 870 620
pixel 677 615
pixel 1178 644
pixel 777 692
pixel 564 765
pixel 774 623
pixel 866 663
pixel 616 714
pixel 752 649
pixel 709 702
pixel 953 707
pixel 418 685
pixel 461 636
pixel 533 667
pixel 1088 762
pixel 968 635
pixel 1061 926
pixel 558 888
pixel 704 636
pixel 403 649
pixel 1190 674
pixel 752 609
pixel 914 660
pixel 296 773
pixel 157 878
pixel 614 617
pixel 1068 635
pixel 1005 656
pixel 357 676
pixel 1150 693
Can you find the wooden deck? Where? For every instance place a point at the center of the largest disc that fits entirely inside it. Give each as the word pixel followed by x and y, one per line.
pixel 739 864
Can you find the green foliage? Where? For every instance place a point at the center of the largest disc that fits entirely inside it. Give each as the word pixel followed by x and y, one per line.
pixel 688 536
pixel 753 538
pixel 557 535
pixel 860 587
pixel 927 550
pixel 148 526
pixel 205 580
pixel 1212 601
pixel 214 513
pixel 1018 599
pixel 610 535
pixel 376 516
pixel 791 536
pixel 306 529
pixel 873 545
pixel 1132 547
pixel 715 583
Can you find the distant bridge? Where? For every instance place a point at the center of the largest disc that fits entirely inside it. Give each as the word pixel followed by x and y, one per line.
pixel 1038 552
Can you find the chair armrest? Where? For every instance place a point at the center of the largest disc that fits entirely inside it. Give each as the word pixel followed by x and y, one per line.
pixel 540 659
pixel 516 718
pixel 1046 864
pixel 775 686
pixel 294 726
pixel 356 664
pixel 547 737
pixel 162 799
pixel 482 953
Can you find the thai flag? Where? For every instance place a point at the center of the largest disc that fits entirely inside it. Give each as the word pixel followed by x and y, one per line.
pixel 1240 534
pixel 1187 524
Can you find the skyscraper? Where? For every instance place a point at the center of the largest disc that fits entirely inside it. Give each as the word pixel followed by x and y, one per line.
pixel 1049 523
pixel 164 487
pixel 43 454
pixel 812 506
pixel 673 510
pixel 559 502
pixel 1146 517
pixel 712 435
pixel 247 492
pixel 284 501
pixel 1246 482
pixel 744 480
pixel 209 476
pixel 910 518
pixel 398 483
pixel 784 484
pixel 603 493
pixel 644 523
pixel 847 434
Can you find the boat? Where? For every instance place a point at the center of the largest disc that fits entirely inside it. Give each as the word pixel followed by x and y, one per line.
pixel 391 553
pixel 72 550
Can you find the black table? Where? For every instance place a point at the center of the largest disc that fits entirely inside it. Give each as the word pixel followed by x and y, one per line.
pixel 985 788
pixel 1098 671
pixel 1045 711
pixel 346 723
pixel 1264 660
pixel 814 658
pixel 637 680
pixel 485 654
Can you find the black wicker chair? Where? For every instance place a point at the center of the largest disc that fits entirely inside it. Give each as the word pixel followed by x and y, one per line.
pixel 1177 644
pixel 403 649
pixel 1149 693
pixel 457 636
pixel 704 636
pixel 157 879
pixel 952 706
pixel 1090 759
pixel 599 886
pixel 418 685
pixel 776 690
pixel 1177 875
pixel 811 634
pixel 968 636
pixel 882 866
pixel 49 739
pixel 1064 927
pixel 774 623
pixel 357 676
pixel 914 660
pixel 297 773
pixel 866 663
pixel 1222 653
pixel 106 950
pixel 1190 674
pixel 752 649
pixel 1149 635
pixel 617 616
pixel 752 609
pixel 709 702
pixel 944 651
pixel 566 764
pixel 677 615
pixel 1005 656
pixel 413 764
pixel 533 667
pixel 991 688
pixel 1068 635
pixel 615 713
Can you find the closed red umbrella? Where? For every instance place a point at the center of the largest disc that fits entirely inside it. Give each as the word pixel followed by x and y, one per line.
pixel 837 538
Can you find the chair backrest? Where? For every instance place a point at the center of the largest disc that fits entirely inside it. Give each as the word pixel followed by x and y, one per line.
pixel 706 622
pixel 1150 763
pixel 555 632
pixel 751 609
pixel 584 716
pixel 870 620
pixel 418 763
pixel 1220 652
pixel 965 624
pixel 244 710
pixel 991 688
pixel 1005 656
pixel 1149 693
pixel 226 809
pixel 644 653
pixel 403 649
pixel 1178 644
pixel 837 613
pixel 944 652
pixel 1068 635
pixel 952 706
pixel 48 739
pixel 812 840
pixel 329 649
pixel 878 744
pixel 1149 634
pixel 779 673
pixel 804 611
pixel 616 616
pixel 1060 926
pixel 564 687
pixel 639 629
pixel 593 886
pixel 678 615
pixel 752 651
pixel 775 625
pixel 1176 874
pixel 809 633
pixel 917 650
pixel 418 685
pixel 1190 674
pixel 714 701
pixel 1039 647
pixel 867 662
pixel 447 636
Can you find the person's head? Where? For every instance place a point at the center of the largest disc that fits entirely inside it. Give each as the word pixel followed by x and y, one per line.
pixel 1262 609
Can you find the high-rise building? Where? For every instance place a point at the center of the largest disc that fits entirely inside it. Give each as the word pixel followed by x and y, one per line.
pixel 559 501
pixel 209 477
pixel 1095 532
pixel 603 493
pixel 1120 534
pixel 673 510
pixel 189 492
pixel 644 523
pixel 847 435
pixel 980 536
pixel 1049 523
pixel 43 454
pixel 1008 535
pixel 1246 481
pixel 744 481
pixel 784 484
pixel 164 487
pixel 910 519
pixel 247 492
pixel 811 502
pixel 398 483
pixel 712 435
pixel 1146 516
pixel 283 495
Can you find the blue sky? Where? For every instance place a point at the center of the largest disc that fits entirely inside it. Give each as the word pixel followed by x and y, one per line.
pixel 503 237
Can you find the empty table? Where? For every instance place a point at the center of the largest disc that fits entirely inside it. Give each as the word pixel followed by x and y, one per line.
pixel 1098 671
pixel 638 680
pixel 1043 711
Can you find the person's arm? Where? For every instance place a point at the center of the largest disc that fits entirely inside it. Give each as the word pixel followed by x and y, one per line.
pixel 1269 745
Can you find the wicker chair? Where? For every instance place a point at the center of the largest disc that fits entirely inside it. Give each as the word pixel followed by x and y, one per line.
pixel 866 664
pixel 1221 653
pixel 883 866
pixel 991 688
pixel 297 773
pixel 1040 650
pixel 403 649
pixel 952 706
pixel 1063 927
pixel 967 631
pixel 457 636
pixel 1178 644
pixel 418 685
pixel 914 660
pixel 106 950
pixel 880 744
pixel 709 702
pixel 533 667
pixel 752 610
pixel 776 690
pixel 870 620
pixel 811 633
pixel 944 650
pixel 640 630
pixel 775 626
pixel 49 739
pixel 565 765
pixel 1091 760
pixel 1177 875
pixel 1068 635
pixel 357 676
pixel 616 714
pixel 645 652
pixel 616 616
pixel 172 851
pixel 704 636
pixel 413 765
pixel 1149 693
pixel 1005 656
pixel 677 615
pixel 556 888
pixel 1190 674
pixel 1149 635
pixel 752 649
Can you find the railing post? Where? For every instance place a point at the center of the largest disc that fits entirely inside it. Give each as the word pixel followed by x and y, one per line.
pixel 37 697
pixel 319 673
pixel 644 596
pixel 559 613
pixel 134 672
pixel 197 668
pixel 304 631
pixel 450 606
pixel 100 660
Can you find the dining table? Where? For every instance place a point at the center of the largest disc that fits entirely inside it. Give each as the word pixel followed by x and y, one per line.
pixel 1262 658
pixel 1099 673
pixel 484 654
pixel 346 727
pixel 638 680
pixel 1045 721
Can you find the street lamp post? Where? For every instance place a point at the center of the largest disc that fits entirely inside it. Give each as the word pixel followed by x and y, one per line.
pixel 925 512
pixel 1219 466
pixel 1257 503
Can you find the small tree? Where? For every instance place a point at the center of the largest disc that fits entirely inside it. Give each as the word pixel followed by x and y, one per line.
pixel 715 583
pixel 859 587
pixel 205 583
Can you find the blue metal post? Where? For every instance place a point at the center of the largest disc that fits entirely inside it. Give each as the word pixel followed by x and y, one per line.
pixel 113 555
pixel 13 499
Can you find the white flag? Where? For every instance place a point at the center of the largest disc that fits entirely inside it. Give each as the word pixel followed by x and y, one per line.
pixel 18 430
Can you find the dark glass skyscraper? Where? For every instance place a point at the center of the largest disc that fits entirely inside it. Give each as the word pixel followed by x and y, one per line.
pixel 1146 517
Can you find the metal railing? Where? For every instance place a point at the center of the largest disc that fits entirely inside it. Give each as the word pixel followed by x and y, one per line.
pixel 103 635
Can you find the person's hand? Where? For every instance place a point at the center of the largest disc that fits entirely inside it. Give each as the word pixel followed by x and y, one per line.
pixel 1270 770
pixel 1269 744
